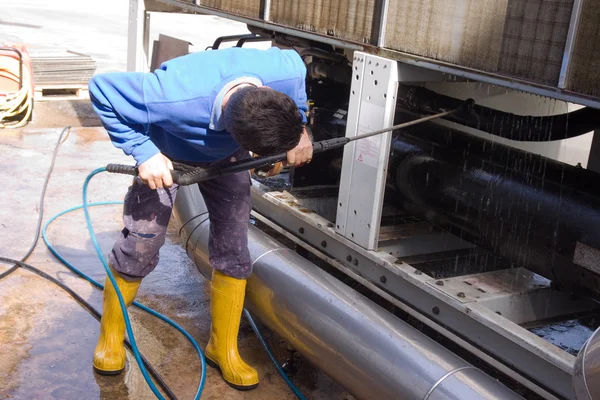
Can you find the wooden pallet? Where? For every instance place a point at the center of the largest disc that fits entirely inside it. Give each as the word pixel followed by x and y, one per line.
pixel 61 92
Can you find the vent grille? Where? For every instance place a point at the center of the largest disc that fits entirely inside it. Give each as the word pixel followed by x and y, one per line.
pixel 520 38
pixel 247 8
pixel 355 20
pixel 466 32
pixel 534 39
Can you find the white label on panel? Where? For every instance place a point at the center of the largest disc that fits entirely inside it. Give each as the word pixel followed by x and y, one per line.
pixel 371 119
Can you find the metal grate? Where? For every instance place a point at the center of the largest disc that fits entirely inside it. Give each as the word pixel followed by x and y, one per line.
pixel 534 37
pixel 520 38
pixel 355 20
pixel 467 32
pixel 247 8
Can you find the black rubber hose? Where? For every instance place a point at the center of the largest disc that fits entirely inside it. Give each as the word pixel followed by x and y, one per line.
pixel 186 175
pixel 38 228
pixel 523 128
pixel 530 210
pixel 95 313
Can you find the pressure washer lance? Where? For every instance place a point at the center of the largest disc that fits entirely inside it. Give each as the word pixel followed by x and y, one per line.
pixel 197 175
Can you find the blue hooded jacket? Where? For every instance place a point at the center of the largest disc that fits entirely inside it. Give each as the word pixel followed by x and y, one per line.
pixel 169 110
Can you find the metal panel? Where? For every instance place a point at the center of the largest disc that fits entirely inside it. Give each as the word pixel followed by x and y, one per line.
pixel 536 359
pixel 534 39
pixel 467 32
pixel 423 244
pixel 372 107
pixel 583 74
pixel 517 294
pixel 356 20
pixel 248 8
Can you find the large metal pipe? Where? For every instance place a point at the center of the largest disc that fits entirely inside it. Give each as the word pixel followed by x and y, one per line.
pixel 367 350
pixel 532 210
pixel 587 368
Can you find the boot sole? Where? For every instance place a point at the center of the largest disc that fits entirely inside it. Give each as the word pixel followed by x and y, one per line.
pixel 214 365
pixel 108 373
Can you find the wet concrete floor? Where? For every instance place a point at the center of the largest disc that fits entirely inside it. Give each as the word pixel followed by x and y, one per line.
pixel 46 338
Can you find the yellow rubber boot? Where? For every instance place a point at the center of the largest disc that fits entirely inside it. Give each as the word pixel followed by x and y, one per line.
pixel 226 304
pixel 109 356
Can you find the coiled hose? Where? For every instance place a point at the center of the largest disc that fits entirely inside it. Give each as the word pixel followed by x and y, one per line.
pixel 15 107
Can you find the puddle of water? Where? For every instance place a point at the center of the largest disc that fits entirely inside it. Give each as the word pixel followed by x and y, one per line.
pixel 570 335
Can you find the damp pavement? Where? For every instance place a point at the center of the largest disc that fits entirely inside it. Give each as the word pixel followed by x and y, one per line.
pixel 46 338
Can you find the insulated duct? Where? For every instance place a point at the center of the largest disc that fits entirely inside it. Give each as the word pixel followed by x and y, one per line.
pixel 499 123
pixel 587 365
pixel 367 350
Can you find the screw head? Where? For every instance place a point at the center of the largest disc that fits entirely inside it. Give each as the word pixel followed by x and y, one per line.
pixel 383 279
pixel 440 283
pixel 355 262
pixel 349 258
pixel 435 310
pixel 324 243
pixel 418 272
pixel 301 230
pixel 461 295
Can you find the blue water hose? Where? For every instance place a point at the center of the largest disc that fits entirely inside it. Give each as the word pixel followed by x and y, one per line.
pixel 136 353
pixel 287 380
pixel 134 347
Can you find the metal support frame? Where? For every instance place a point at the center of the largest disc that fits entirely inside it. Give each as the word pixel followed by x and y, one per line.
pixel 385 4
pixel 267 10
pixel 364 169
pixel 535 359
pixel 570 43
pixel 255 38
pixel 138 35
pixel 230 38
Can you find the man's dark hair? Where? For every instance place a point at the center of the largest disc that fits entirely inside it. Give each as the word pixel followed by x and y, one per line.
pixel 263 121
